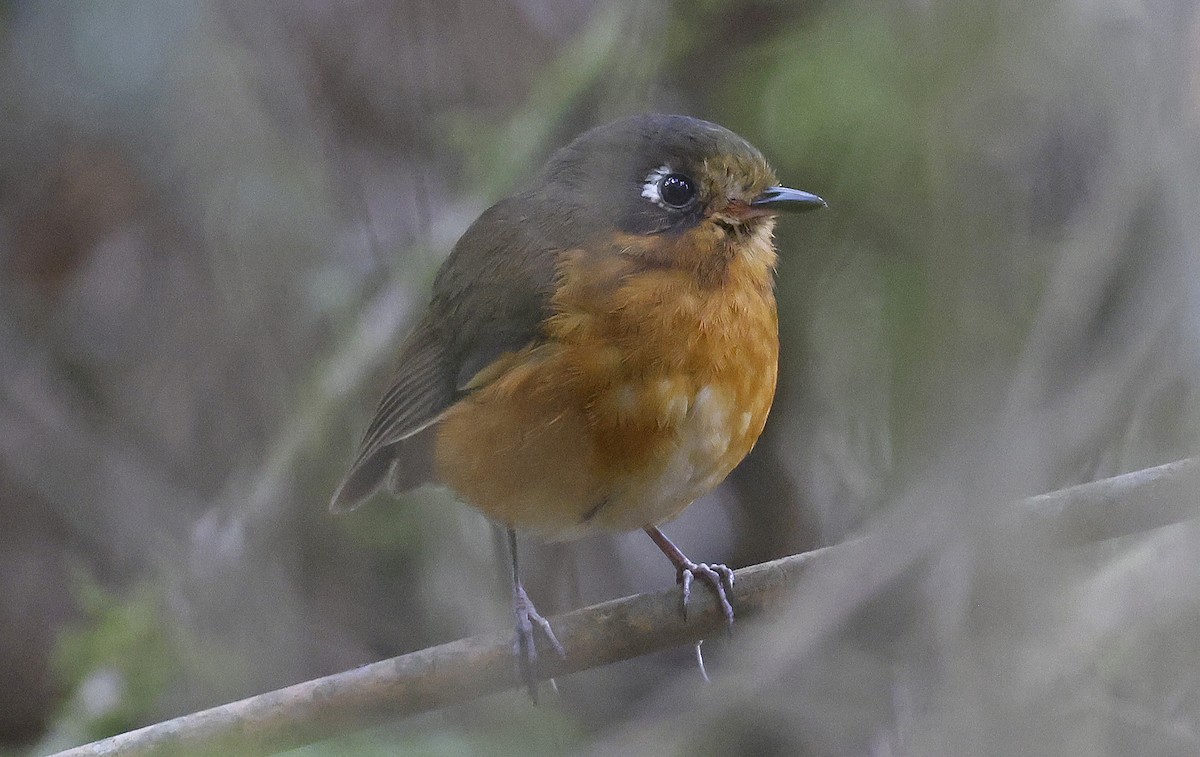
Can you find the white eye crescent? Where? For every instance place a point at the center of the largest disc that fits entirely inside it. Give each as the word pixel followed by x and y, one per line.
pixel 668 190
pixel 650 190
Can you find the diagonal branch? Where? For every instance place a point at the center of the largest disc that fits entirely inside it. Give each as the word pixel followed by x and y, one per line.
pixel 617 630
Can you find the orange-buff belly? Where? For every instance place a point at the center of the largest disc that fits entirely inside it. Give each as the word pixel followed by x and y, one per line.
pixel 651 387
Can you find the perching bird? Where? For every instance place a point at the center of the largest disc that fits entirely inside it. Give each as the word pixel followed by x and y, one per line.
pixel 600 348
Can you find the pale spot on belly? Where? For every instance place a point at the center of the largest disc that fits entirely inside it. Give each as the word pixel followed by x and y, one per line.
pixel 693 467
pixel 708 422
pixel 623 401
pixel 627 399
pixel 672 402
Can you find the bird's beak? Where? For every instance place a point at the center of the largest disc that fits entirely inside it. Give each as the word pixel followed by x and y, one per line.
pixel 778 199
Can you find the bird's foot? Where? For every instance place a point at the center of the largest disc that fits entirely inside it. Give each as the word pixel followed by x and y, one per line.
pixel 718 577
pixel 525 645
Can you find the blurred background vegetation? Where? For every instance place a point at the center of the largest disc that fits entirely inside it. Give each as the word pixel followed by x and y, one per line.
pixel 217 220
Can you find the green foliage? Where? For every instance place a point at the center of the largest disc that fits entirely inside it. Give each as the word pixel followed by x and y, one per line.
pixel 118 659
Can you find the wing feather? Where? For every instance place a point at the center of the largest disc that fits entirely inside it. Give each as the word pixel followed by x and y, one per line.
pixel 421 390
pixel 490 298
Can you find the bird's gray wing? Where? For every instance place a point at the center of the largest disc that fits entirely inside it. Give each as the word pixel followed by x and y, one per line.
pixel 490 297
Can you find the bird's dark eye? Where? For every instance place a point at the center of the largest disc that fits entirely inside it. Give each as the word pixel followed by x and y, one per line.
pixel 676 190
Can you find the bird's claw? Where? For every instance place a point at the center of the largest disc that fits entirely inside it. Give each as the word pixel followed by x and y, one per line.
pixel 525 645
pixel 719 577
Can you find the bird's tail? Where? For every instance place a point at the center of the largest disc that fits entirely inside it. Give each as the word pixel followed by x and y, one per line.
pixel 404 465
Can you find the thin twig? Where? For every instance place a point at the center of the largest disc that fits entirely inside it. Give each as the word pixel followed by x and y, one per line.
pixel 461 670
pixel 617 630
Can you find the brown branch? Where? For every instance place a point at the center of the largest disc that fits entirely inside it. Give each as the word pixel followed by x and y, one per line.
pixel 617 630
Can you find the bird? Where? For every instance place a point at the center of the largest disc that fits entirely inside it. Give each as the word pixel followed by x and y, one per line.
pixel 599 350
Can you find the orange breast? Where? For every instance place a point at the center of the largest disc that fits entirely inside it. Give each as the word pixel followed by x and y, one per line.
pixel 653 385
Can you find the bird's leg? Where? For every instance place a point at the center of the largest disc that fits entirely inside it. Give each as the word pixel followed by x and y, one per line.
pixel 719 577
pixel 527 617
